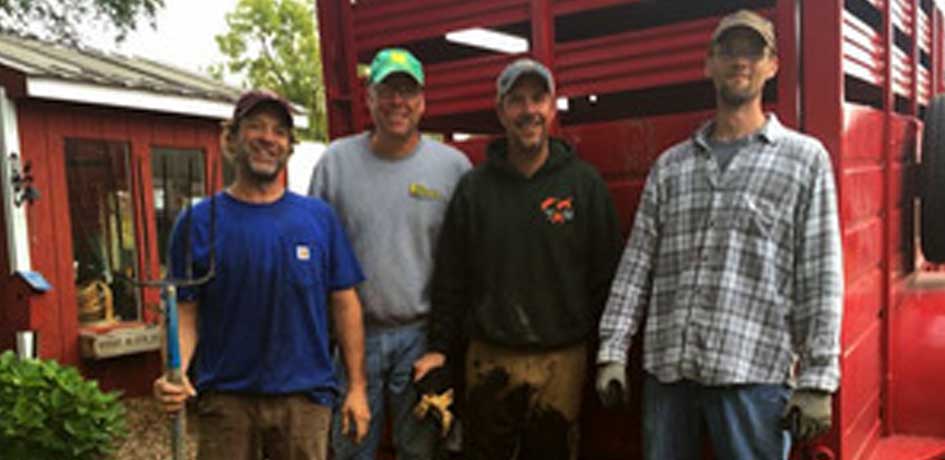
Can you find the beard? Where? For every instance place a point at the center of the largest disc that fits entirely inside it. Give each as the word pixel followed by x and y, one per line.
pixel 736 98
pixel 263 177
pixel 256 176
pixel 530 149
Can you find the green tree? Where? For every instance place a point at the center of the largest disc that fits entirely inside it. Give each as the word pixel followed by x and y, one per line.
pixel 274 45
pixel 64 20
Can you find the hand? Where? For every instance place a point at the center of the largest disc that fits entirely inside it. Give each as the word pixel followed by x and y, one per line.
pixel 427 363
pixel 612 384
pixel 355 411
pixel 173 396
pixel 807 414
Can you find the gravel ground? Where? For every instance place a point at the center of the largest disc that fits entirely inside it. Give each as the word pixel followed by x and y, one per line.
pixel 149 433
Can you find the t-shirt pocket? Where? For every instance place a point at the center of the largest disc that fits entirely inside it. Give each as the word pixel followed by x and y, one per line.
pixel 303 258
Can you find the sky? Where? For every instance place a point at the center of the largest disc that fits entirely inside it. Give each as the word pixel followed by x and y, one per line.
pixel 184 34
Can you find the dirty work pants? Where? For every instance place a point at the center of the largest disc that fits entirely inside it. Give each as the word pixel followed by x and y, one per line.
pixel 388 365
pixel 743 421
pixel 522 405
pixel 251 427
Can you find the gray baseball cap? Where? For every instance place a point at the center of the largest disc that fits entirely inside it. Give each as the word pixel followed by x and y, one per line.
pixel 520 67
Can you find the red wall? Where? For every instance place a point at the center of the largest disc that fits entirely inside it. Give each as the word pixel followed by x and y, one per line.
pixel 13 292
pixel 861 177
pixel 872 154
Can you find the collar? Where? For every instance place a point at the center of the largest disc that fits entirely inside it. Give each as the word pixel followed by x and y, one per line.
pixel 771 132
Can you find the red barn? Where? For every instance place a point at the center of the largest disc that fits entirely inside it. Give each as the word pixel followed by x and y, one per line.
pixel 99 153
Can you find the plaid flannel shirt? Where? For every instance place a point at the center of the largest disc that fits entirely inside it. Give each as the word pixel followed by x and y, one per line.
pixel 740 271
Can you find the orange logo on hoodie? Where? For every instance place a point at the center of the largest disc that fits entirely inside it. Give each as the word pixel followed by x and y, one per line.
pixel 558 211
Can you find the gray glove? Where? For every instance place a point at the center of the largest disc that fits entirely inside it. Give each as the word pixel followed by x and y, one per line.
pixel 808 414
pixel 612 384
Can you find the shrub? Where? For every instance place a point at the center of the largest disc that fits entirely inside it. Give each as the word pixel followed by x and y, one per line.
pixel 48 412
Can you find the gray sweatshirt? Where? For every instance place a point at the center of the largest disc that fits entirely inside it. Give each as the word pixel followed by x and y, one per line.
pixel 392 211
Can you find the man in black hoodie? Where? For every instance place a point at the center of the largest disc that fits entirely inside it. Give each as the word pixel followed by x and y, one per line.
pixel 523 267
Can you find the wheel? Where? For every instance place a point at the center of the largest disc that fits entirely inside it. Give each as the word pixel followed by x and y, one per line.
pixel 932 171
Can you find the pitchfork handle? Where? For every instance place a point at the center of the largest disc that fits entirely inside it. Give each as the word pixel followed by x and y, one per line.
pixel 174 374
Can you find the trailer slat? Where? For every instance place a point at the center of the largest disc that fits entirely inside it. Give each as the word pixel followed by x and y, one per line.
pixel 373 30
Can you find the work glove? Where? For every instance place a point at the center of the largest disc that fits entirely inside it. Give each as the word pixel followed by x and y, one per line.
pixel 436 398
pixel 808 414
pixel 612 384
pixel 436 406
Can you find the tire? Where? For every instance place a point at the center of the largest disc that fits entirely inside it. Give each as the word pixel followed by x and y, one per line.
pixel 932 172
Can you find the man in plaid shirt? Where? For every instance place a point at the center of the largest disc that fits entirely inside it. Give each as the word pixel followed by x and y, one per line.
pixel 735 254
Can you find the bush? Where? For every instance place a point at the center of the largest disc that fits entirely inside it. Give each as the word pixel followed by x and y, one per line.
pixel 50 412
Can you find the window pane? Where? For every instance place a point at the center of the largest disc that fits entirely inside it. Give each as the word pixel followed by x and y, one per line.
pixel 101 212
pixel 178 178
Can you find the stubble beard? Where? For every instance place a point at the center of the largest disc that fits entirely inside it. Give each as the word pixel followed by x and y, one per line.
pixel 259 177
pixel 735 98
pixel 533 149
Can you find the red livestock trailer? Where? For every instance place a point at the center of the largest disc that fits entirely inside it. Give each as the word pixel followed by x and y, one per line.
pixel 860 75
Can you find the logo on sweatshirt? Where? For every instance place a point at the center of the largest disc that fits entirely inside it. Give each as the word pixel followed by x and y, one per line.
pixel 422 192
pixel 558 210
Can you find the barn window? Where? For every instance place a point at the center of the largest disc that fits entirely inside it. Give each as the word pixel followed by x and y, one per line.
pixel 178 180
pixel 101 212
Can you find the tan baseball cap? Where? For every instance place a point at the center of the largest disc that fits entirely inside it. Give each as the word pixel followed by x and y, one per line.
pixel 748 19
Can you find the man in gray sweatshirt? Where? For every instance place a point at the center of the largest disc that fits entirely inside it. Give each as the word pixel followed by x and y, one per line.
pixel 390 187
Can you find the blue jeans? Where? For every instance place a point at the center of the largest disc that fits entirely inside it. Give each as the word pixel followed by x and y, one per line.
pixel 743 421
pixel 388 362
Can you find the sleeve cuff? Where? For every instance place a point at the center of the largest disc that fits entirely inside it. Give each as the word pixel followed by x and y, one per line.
pixel 609 355
pixel 824 378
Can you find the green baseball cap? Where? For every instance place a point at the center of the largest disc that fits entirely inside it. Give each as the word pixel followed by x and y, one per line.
pixel 393 60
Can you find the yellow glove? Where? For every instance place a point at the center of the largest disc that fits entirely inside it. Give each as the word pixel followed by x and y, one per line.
pixel 439 405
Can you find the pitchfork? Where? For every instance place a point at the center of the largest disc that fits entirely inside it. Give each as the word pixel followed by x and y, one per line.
pixel 169 286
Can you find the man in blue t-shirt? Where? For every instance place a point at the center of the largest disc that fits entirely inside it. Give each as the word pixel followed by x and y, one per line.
pixel 258 330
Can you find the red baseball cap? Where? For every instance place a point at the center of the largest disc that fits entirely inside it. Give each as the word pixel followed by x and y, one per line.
pixel 252 99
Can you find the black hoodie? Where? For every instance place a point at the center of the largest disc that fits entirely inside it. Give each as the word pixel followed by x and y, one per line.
pixel 524 262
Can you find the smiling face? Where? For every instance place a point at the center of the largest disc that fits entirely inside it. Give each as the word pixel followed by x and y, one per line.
pixel 262 144
pixel 739 64
pixel 527 112
pixel 396 105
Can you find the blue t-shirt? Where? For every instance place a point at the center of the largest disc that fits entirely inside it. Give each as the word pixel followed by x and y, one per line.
pixel 263 318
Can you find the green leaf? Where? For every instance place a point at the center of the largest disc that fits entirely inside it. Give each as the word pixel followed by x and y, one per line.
pixel 51 412
pixel 69 427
